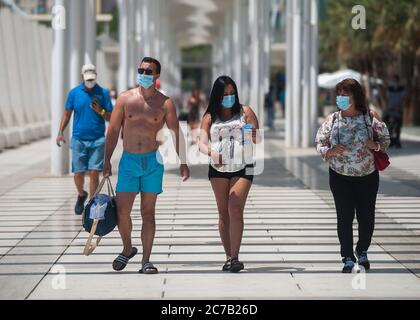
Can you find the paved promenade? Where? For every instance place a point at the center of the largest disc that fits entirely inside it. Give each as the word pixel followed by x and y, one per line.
pixel 290 246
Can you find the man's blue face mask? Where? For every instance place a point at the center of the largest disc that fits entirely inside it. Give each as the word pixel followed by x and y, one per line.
pixel 343 102
pixel 228 101
pixel 145 81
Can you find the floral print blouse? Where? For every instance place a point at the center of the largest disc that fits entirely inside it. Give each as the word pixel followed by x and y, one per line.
pixel 354 132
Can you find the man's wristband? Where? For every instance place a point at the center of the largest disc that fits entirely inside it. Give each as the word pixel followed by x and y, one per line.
pixel 103 112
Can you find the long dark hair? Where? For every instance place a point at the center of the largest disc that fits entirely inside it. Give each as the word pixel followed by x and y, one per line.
pixel 216 97
pixel 353 87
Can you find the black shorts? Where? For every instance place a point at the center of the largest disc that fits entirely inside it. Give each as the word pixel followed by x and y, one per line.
pixel 213 173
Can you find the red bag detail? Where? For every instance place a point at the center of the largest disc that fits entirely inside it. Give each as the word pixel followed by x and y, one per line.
pixel 381 160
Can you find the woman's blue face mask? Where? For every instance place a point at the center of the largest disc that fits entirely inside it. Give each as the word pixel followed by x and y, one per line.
pixel 228 101
pixel 343 102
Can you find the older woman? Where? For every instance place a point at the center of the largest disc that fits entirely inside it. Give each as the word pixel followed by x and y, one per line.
pixel 347 140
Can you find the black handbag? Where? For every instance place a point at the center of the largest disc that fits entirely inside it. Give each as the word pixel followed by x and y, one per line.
pixel 100 215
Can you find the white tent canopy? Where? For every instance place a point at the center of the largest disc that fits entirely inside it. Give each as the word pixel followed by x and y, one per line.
pixel 330 80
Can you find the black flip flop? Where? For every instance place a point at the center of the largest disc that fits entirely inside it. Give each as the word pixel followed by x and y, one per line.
pixel 236 265
pixel 121 261
pixel 148 268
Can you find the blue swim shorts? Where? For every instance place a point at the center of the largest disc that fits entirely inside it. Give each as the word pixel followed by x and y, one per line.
pixel 87 155
pixel 140 173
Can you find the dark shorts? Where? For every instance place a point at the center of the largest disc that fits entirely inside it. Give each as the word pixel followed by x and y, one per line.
pixel 213 173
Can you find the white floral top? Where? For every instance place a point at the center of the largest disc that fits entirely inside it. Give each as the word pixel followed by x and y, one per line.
pixel 355 131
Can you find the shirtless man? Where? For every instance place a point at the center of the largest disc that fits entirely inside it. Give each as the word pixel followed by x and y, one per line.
pixel 142 112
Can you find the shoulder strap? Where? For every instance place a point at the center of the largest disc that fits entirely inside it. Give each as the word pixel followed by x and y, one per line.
pixel 338 128
pixel 242 113
pixel 371 124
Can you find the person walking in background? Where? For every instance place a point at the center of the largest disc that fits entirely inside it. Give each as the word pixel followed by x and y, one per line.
pixel 221 139
pixel 92 106
pixel 394 115
pixel 194 104
pixel 269 108
pixel 347 140
pixel 282 95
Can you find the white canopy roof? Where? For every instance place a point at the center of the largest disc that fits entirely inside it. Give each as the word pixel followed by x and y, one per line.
pixel 330 80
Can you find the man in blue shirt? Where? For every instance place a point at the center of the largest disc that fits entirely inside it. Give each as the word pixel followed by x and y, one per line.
pixel 92 107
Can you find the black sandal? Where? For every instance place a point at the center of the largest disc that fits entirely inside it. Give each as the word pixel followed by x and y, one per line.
pixel 148 268
pixel 236 265
pixel 228 265
pixel 121 261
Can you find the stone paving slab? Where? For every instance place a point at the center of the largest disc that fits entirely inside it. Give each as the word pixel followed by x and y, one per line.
pixel 290 246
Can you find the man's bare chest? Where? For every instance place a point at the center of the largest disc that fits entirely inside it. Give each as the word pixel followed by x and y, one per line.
pixel 137 111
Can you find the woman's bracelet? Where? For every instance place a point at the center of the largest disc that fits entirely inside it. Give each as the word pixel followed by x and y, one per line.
pixel 379 147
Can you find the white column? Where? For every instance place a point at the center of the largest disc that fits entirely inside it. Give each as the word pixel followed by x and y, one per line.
pixel 306 133
pixel 76 41
pixel 138 31
pixel 314 69
pixel 146 27
pixel 267 44
pixel 238 40
pixel 131 45
pixel 123 46
pixel 152 26
pixel 139 39
pixel 227 43
pixel 165 29
pixel 157 32
pixel 244 47
pixel 289 74
pixel 90 33
pixel 255 61
pixel 246 53
pixel 265 53
pixel 297 62
pixel 59 156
